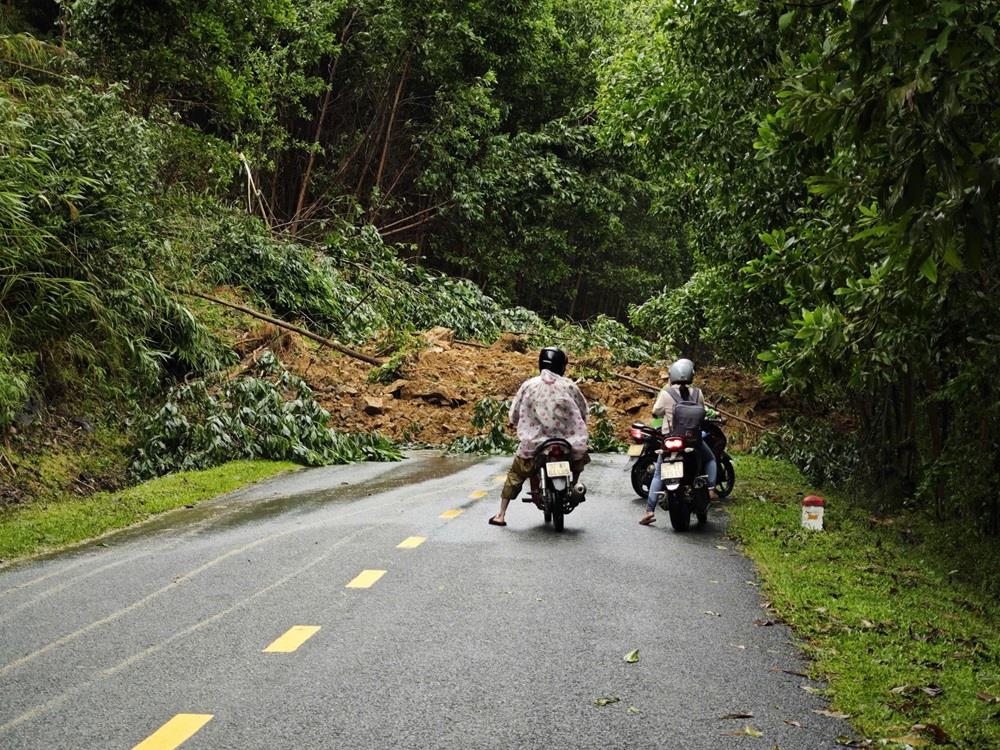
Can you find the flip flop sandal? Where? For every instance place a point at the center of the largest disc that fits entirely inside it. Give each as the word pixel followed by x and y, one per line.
pixel 495 522
pixel 648 521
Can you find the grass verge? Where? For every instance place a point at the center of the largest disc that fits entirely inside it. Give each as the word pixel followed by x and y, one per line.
pixel 31 528
pixel 910 652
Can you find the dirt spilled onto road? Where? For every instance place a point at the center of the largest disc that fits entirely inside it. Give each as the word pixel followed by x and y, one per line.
pixel 429 397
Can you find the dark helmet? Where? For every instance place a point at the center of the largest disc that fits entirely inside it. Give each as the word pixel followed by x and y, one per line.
pixel 682 372
pixel 551 358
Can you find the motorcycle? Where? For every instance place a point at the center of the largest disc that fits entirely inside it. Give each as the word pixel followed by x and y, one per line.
pixel 685 486
pixel 646 441
pixel 552 487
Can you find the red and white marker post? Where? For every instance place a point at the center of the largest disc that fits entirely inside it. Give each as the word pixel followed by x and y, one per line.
pixel 812 512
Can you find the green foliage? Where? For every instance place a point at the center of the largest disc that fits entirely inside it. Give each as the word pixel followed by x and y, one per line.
pixel 835 166
pixel 82 236
pixel 270 414
pixel 825 456
pixel 400 346
pixel 490 415
pixel 603 436
pixel 287 277
pixel 884 609
pixel 697 318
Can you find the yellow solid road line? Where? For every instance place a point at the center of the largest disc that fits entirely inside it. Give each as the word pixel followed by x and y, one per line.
pixel 174 732
pixel 478 494
pixel 451 513
pixel 292 639
pixel 411 541
pixel 365 579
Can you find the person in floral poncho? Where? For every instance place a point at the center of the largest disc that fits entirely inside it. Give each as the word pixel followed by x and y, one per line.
pixel 548 405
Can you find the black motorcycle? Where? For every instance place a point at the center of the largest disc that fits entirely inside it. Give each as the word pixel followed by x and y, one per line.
pixel 647 440
pixel 685 486
pixel 552 485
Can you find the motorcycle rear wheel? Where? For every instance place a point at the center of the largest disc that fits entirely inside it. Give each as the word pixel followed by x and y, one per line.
pixel 557 520
pixel 726 478
pixel 680 513
pixel 548 517
pixel 641 474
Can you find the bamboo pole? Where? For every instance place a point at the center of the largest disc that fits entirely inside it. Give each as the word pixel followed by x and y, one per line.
pixel 282 324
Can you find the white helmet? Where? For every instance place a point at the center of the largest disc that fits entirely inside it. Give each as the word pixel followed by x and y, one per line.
pixel 682 372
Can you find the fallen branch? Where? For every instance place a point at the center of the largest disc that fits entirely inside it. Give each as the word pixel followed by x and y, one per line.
pixel 474 344
pixel 282 324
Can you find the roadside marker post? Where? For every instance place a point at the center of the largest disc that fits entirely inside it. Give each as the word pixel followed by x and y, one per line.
pixel 812 512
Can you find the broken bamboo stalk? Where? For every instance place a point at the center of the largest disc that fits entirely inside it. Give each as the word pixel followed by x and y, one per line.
pixel 282 324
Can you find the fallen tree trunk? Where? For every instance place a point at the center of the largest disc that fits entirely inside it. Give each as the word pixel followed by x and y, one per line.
pixel 282 324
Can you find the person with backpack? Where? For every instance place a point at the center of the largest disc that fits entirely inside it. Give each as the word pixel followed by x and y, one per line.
pixel 684 404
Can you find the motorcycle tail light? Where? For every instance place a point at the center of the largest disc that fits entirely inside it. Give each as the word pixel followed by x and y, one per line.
pixel 556 451
pixel 637 434
pixel 673 444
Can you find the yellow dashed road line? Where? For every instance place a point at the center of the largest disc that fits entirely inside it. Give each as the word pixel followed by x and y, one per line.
pixel 365 579
pixel 292 639
pixel 411 541
pixel 174 732
pixel 451 513
pixel 500 478
pixel 478 494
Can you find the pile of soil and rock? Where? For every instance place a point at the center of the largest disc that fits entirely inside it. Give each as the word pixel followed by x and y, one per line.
pixel 431 395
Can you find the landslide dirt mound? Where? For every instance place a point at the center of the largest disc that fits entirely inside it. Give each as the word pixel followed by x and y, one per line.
pixel 432 399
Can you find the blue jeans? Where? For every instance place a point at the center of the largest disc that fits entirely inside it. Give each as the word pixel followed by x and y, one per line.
pixel 711 470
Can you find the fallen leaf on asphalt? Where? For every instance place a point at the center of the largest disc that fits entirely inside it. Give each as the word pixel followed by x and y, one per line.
pixel 607 701
pixel 740 646
pixel 721 546
pixel 632 656
pixel 795 674
pixel 713 614
pixel 763 623
pixel 633 710
pixel 752 732
pixel 738 715
pixel 932 690
pixel 812 690
pixel 831 714
pixel 791 723
pixel 988 698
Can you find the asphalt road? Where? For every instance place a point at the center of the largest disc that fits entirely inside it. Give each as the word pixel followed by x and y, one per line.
pixel 476 637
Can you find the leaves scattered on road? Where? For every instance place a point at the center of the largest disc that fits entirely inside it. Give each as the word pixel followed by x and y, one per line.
pixel 632 656
pixel 607 700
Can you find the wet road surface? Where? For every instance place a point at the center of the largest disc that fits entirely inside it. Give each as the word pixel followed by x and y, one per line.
pixel 372 606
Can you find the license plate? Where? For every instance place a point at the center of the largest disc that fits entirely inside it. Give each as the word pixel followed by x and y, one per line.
pixel 635 450
pixel 558 469
pixel 672 470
